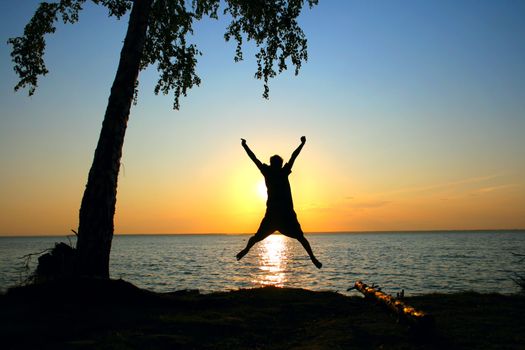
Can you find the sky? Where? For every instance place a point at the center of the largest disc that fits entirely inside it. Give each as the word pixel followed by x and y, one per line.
pixel 414 114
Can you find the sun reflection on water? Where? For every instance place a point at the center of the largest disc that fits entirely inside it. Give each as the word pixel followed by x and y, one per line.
pixel 272 261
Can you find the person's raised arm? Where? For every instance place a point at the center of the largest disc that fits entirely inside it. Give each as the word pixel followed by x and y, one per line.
pixel 296 152
pixel 251 154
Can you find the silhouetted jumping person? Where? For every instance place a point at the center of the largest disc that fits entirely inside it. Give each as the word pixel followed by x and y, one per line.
pixel 280 215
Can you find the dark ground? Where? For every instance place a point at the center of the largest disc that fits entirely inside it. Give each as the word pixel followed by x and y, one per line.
pixel 97 314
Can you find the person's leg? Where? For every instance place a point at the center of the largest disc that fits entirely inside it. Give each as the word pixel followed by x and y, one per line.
pixel 254 239
pixel 293 229
pixel 263 232
pixel 306 246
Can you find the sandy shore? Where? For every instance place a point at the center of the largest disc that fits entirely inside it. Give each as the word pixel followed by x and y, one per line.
pixel 117 315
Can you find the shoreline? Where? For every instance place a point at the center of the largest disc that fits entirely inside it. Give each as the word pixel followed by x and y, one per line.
pixel 114 313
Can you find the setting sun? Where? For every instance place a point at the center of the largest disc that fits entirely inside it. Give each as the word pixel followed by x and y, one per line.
pixel 261 190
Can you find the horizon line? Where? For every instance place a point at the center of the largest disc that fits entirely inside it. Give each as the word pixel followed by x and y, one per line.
pixel 242 234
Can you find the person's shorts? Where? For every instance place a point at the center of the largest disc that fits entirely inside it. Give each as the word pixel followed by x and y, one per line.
pixel 284 222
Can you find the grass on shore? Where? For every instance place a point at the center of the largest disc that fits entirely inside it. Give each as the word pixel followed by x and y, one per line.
pixel 97 314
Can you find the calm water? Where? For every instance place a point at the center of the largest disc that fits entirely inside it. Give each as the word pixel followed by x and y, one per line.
pixel 416 262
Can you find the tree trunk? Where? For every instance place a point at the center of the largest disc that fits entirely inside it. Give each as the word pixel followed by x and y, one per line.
pixel 97 210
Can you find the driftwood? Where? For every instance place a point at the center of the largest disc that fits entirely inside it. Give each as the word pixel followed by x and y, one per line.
pixel 405 313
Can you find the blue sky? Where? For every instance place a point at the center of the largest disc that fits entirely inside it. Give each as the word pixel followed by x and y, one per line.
pixel 414 113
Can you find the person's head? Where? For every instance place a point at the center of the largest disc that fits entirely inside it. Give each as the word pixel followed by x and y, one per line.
pixel 276 161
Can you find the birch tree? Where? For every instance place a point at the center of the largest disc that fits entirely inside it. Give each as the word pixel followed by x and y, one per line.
pixel 158 33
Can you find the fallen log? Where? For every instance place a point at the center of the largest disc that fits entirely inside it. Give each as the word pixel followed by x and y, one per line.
pixel 405 313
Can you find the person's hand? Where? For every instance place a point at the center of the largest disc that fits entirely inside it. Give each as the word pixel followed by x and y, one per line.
pixel 243 142
pixel 303 139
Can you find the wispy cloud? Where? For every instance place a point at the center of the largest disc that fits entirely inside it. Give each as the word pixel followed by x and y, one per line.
pixel 442 186
pixel 494 188
pixel 366 204
pixel 452 190
pixel 349 203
